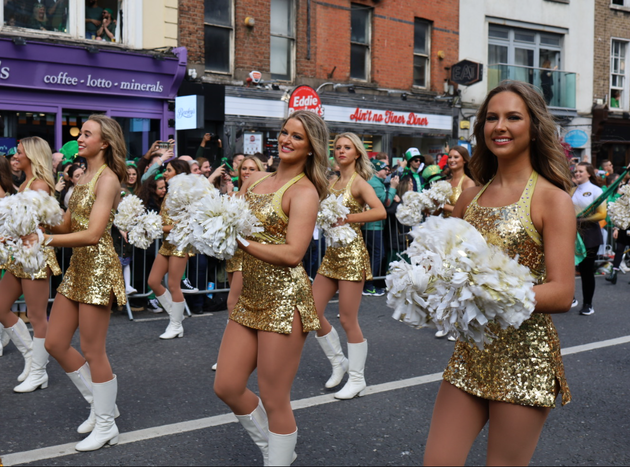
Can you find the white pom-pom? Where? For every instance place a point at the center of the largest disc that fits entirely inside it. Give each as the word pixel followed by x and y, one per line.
pixel 331 209
pixel 130 209
pixel 619 211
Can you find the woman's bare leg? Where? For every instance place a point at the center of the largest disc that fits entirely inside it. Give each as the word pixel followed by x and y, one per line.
pixel 158 270
pixel 278 362
pixel 36 296
pixel 513 433
pixel 10 291
pixel 236 362
pixel 236 286
pixel 64 321
pixel 458 417
pixel 176 269
pixel 324 288
pixel 350 294
pixel 93 325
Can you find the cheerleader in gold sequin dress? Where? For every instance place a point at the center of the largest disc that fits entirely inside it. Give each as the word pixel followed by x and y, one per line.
pixel 173 261
pixel 6 188
pixel 93 279
pixel 345 269
pixel 275 311
pixel 35 160
pixel 523 208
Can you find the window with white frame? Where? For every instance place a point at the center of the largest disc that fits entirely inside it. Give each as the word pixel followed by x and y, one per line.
pixel 360 38
pixel 620 3
pixel 421 53
pixel 282 39
pixel 218 34
pixel 618 82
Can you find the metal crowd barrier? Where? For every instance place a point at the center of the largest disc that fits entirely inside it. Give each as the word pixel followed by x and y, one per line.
pixel 210 277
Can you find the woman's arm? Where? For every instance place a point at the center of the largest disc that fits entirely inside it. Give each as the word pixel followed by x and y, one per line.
pixel 558 234
pixel 106 191
pixel 598 215
pixel 367 194
pixel 303 206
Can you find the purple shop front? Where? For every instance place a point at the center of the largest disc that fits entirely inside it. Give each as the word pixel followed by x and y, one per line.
pixel 48 89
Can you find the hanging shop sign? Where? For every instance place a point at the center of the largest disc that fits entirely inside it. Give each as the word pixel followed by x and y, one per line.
pixel 388 118
pixel 305 98
pixel 576 138
pixel 466 72
pixel 189 112
pixel 252 143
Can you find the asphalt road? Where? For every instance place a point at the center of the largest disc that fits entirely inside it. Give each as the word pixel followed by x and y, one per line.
pixel 170 415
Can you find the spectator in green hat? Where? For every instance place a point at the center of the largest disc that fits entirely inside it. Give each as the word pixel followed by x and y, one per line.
pixel 415 164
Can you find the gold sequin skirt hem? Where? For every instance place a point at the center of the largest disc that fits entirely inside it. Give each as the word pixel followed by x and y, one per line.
pixel 309 319
pixel 168 249
pixel 51 262
pixel 349 263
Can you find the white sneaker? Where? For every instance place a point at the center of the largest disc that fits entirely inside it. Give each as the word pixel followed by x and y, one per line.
pixel 441 334
pixel 187 287
pixel 154 306
pixel 214 367
pixel 574 303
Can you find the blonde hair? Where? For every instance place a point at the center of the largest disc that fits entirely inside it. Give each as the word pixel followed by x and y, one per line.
pixel 116 151
pixel 546 153
pixel 363 166
pixel 317 134
pixel 38 152
pixel 255 160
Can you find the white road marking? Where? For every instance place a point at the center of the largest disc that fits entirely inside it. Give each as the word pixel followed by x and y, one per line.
pixel 62 450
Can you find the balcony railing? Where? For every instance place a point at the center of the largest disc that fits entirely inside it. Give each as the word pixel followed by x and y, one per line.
pixel 557 87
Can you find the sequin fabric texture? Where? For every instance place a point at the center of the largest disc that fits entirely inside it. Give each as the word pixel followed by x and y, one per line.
pixel 351 262
pixel 457 191
pixel 94 270
pixel 235 263
pixel 167 248
pixel 522 366
pixel 272 293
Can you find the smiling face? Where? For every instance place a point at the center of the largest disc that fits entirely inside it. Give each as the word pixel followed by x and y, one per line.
pixel 194 168
pixel 20 161
pixel 345 152
pixel 169 172
pixel 293 145
pixel 77 175
pixel 607 167
pixel 580 175
pixel 205 169
pixel 415 163
pixel 160 188
pixel 90 140
pixel 132 175
pixel 507 129
pixel 455 160
pixel 247 168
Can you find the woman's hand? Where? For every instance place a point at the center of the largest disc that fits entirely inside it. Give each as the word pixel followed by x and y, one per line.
pixel 218 172
pixel 30 239
pixel 61 184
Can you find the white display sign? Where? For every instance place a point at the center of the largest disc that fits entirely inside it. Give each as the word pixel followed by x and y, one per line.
pixel 188 112
pixel 388 118
pixel 252 143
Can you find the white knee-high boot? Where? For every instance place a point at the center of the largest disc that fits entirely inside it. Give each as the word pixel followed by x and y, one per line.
pixel 357 354
pixel 37 377
pixel 165 300
pixel 105 431
pixel 82 379
pixel 22 339
pixel 282 448
pixel 257 428
pixel 332 348
pixel 4 339
pixel 127 277
pixel 176 316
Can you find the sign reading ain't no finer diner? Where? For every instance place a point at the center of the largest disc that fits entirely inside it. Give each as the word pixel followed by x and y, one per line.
pixel 388 118
pixel 305 98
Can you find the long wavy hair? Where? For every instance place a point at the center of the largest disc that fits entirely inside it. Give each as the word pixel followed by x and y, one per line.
pixel 463 151
pixel 317 134
pixel 363 166
pixel 6 182
pixel 256 161
pixel 147 192
pixel 592 176
pixel 38 151
pixel 546 152
pixel 116 151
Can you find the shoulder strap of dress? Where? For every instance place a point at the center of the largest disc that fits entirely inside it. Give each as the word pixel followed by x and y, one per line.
pixel 258 181
pixel 525 204
pixel 349 184
pixel 28 185
pixel 289 184
pixel 474 201
pixel 95 178
pixel 461 180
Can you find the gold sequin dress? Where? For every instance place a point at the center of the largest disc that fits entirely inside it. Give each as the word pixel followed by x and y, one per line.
pixel 167 248
pixel 235 263
pixel 351 262
pixel 95 271
pixel 272 293
pixel 522 366
pixel 51 260
pixel 457 192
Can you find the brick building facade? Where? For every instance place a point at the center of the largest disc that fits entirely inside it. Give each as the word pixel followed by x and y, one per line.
pixel 320 37
pixel 611 91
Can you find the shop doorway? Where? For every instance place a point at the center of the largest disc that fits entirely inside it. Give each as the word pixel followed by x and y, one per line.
pixel 17 125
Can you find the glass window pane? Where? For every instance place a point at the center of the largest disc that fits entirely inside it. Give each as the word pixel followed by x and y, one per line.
pixel 360 23
pixel 281 21
pixel 280 58
pixel 358 61
pixel 498 32
pixel 524 57
pixel 217 44
pixel 550 40
pixel 420 37
pixel 218 12
pixel 497 54
pixel 420 71
pixel 524 36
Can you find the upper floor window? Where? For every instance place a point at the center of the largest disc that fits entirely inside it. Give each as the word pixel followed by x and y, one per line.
pixel 618 81
pixel 360 38
pixel 282 39
pixel 621 2
pixel 421 53
pixel 49 15
pixel 218 32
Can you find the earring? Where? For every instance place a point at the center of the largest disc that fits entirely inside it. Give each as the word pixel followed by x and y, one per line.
pixel 310 153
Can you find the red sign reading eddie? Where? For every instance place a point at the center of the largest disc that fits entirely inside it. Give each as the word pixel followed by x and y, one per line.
pixel 305 98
